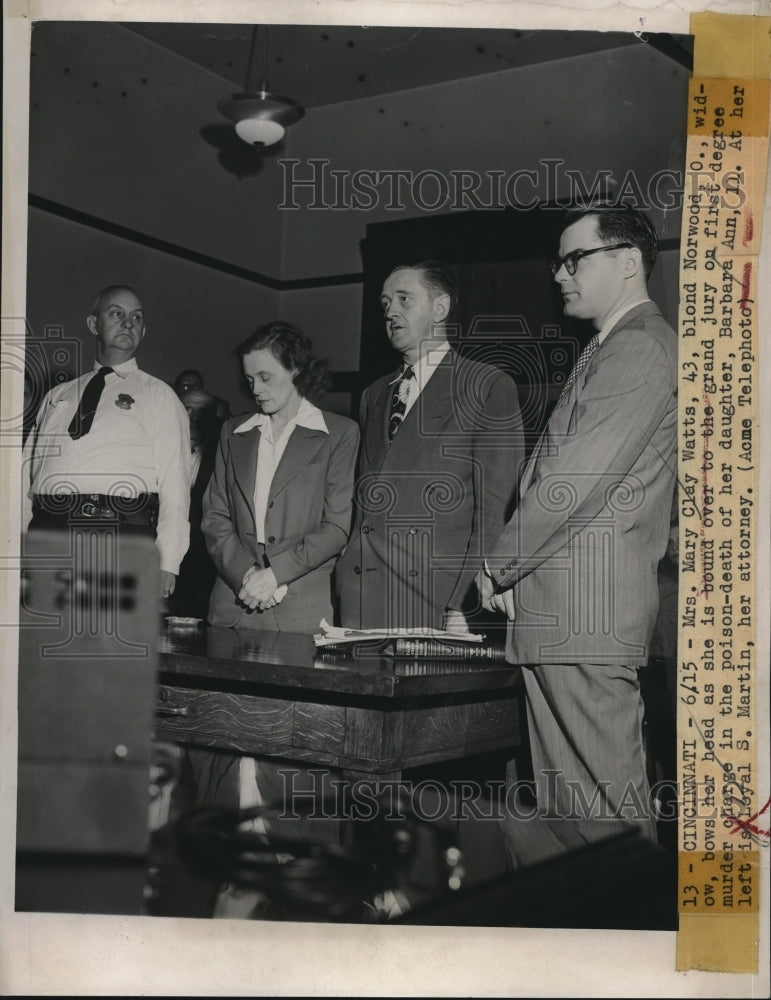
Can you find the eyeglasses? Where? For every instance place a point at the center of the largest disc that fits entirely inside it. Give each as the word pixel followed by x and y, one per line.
pixel 570 260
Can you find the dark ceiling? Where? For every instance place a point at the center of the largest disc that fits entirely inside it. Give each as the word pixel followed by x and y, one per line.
pixel 318 65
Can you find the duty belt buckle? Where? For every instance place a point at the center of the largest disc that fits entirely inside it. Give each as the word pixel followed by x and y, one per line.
pixel 93 509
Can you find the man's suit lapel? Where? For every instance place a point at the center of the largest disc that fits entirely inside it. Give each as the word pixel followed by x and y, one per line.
pixel 431 410
pixel 560 416
pixel 527 475
pixel 642 311
pixel 376 425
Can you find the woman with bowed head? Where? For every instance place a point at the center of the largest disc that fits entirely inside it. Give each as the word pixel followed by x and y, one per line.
pixel 277 512
pixel 276 516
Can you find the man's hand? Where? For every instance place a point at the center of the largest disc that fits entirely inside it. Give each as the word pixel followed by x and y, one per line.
pixel 492 600
pixel 486 588
pixel 168 583
pixel 503 601
pixel 258 588
pixel 455 621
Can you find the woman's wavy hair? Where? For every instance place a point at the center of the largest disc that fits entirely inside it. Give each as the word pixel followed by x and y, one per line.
pixel 293 349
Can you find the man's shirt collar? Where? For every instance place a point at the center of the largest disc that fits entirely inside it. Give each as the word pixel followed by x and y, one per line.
pixel 426 365
pixel 611 321
pixel 123 369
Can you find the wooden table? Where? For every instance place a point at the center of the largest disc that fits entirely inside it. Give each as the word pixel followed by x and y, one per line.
pixel 276 695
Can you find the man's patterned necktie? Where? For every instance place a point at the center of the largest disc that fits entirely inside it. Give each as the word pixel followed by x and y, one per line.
pixel 399 401
pixel 84 415
pixel 579 366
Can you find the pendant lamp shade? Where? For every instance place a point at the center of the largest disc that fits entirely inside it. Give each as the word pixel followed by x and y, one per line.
pixel 261 118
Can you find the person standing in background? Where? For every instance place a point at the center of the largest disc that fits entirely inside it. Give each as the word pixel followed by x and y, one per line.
pixel 197 573
pixel 192 379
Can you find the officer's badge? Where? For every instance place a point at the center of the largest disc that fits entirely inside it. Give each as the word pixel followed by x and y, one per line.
pixel 124 401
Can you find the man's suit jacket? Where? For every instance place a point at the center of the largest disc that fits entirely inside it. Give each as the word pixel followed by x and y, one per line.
pixel 429 503
pixel 306 525
pixel 593 518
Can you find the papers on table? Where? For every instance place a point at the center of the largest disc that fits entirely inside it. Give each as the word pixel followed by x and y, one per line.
pixel 333 635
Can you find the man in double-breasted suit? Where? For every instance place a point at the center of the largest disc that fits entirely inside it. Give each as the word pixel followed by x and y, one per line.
pixel 575 567
pixel 441 447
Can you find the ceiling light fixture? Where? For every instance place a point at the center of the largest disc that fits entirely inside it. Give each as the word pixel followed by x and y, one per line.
pixel 261 118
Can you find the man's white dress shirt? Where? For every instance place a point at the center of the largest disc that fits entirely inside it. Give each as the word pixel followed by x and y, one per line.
pixel 423 368
pixel 139 443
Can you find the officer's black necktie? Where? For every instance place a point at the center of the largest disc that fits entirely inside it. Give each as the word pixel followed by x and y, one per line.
pixel 84 415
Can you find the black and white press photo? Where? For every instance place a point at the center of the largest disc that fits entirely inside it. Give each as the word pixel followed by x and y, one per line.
pixel 345 504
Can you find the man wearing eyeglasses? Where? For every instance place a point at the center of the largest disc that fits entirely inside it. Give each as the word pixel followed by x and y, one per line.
pixel 574 570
